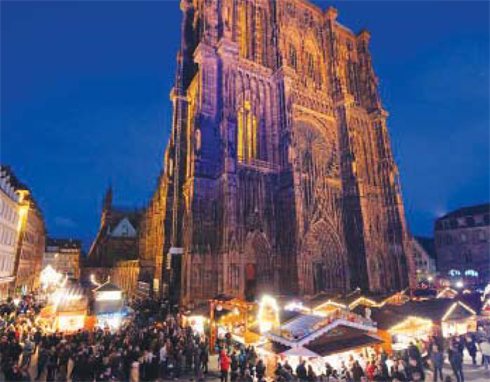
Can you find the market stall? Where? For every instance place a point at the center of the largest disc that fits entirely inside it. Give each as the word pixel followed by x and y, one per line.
pixel 418 320
pixel 333 338
pixel 108 306
pixel 230 316
pixel 67 308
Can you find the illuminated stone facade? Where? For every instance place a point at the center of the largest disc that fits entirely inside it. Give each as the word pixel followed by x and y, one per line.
pixel 461 239
pixel 63 255
pixel 279 174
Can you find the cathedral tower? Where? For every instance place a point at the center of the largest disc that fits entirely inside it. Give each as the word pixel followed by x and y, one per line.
pixel 279 175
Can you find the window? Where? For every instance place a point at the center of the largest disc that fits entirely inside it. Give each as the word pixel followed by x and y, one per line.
pixel 247 149
pixel 461 222
pixel 293 57
pixel 486 219
pixel 311 65
pixel 471 273
pixel 454 272
pixel 482 236
pixel 464 238
pixel 468 258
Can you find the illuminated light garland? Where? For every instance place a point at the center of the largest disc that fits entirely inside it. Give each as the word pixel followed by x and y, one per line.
pixel 417 320
pixel 447 289
pixel 271 303
pixel 449 311
pixel 94 281
pixel 330 302
pixel 467 307
pixel 295 305
pixel 453 306
pixel 360 299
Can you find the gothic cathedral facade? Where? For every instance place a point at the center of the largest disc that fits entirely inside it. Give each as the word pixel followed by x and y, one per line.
pixel 279 175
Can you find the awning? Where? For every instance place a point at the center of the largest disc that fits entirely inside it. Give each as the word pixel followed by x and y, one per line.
pixel 343 339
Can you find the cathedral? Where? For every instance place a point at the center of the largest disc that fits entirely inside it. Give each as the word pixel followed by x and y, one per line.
pixel 279 175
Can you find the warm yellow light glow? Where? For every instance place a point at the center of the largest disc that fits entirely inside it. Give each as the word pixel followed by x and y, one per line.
pixel 329 302
pixel 449 311
pixel 93 280
pixel 112 295
pixel 50 278
pixel 365 300
pixel 71 323
pixel 442 292
pixel 197 323
pixel 268 315
pixel 412 320
pixel 22 216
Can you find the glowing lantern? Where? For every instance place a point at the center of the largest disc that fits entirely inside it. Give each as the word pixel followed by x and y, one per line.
pixel 268 315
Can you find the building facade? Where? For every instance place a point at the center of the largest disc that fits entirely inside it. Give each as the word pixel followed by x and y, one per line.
pixel 117 238
pixel 462 245
pixel 30 235
pixel 9 231
pixel 423 250
pixel 63 255
pixel 114 252
pixel 126 275
pixel 31 244
pixel 279 174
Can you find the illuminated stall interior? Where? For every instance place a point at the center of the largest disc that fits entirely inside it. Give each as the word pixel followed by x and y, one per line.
pixel 231 315
pixel 67 308
pixel 108 305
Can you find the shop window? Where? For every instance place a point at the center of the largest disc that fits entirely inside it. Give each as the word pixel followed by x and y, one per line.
pixel 471 273
pixel 454 272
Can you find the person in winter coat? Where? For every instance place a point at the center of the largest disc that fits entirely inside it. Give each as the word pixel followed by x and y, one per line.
pixel 224 366
pixel 311 374
pixel 260 370
pixel 456 361
pixel 471 346
pixel 42 360
pixel 301 372
pixel 234 367
pixel 485 351
pixel 357 371
pixel 437 360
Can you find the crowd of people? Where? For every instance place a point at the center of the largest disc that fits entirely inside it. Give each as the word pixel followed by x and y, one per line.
pixel 241 363
pixel 155 345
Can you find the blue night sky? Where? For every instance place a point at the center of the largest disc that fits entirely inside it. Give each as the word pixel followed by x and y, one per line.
pixel 85 100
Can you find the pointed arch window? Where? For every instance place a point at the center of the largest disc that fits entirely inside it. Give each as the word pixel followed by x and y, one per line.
pixel 242 22
pixel 247 149
pixel 293 56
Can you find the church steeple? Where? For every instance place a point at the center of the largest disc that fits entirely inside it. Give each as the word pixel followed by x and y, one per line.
pixel 107 206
